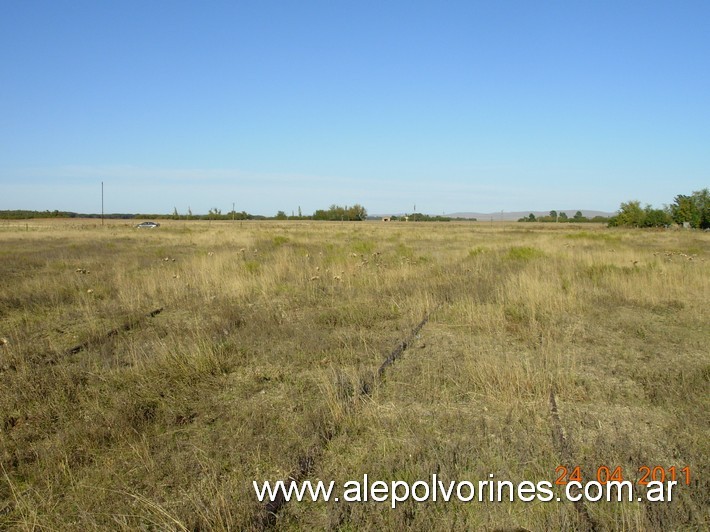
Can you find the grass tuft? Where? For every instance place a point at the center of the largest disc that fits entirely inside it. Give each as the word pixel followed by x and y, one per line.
pixel 524 253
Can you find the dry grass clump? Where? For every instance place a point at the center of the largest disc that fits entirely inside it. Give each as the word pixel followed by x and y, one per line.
pixel 264 360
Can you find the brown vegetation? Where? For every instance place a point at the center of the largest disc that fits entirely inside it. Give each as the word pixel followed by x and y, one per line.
pixel 270 331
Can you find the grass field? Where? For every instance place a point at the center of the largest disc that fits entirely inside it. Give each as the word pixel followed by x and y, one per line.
pixel 262 363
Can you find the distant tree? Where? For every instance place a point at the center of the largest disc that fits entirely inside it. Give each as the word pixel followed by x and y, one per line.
pixel 684 209
pixel 242 216
pixel 553 214
pixel 600 219
pixel 702 200
pixel 578 215
pixel 630 214
pixel 419 217
pixel 281 215
pixel 694 209
pixel 357 212
pixel 335 212
pixel 655 217
pixel 563 216
pixel 176 216
pixel 531 217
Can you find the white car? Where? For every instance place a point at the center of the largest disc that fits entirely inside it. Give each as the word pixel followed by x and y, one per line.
pixel 148 225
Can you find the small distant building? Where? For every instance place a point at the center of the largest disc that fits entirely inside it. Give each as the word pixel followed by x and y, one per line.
pixel 386 219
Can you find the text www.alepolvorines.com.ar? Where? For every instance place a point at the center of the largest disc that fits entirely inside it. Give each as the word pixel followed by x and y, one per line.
pixel 436 490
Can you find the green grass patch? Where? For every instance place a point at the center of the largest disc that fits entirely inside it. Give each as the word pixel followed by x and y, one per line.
pixel 252 266
pixel 524 253
pixel 363 246
pixel 402 250
pixel 280 240
pixel 589 235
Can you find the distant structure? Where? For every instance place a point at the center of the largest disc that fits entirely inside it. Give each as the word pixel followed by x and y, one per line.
pixel 386 219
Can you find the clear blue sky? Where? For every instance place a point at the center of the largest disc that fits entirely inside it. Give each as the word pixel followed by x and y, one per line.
pixel 452 106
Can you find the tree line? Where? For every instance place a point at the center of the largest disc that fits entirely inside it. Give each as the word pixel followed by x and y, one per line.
pixel 356 213
pixel 19 214
pixel 691 210
pixel 334 212
pixel 420 217
pixel 554 216
pixel 688 210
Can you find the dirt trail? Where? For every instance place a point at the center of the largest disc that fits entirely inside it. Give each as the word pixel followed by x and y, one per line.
pixel 113 332
pixel 564 449
pixel 308 460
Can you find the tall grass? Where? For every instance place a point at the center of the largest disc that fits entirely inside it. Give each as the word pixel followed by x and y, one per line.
pixel 270 332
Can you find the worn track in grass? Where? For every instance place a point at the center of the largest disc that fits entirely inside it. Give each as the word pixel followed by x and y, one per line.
pixel 307 461
pixel 564 449
pixel 404 344
pixel 113 332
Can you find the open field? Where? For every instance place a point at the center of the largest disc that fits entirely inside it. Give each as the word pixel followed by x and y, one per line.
pixel 262 363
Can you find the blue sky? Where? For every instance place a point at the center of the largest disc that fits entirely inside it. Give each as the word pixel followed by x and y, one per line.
pixel 452 106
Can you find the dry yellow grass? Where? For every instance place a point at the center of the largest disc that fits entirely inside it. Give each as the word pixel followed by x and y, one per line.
pixel 269 331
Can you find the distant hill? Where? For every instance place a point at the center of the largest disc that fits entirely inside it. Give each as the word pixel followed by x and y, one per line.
pixel 514 216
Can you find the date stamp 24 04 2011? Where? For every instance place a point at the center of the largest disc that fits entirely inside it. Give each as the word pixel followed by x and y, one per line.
pixel 606 474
